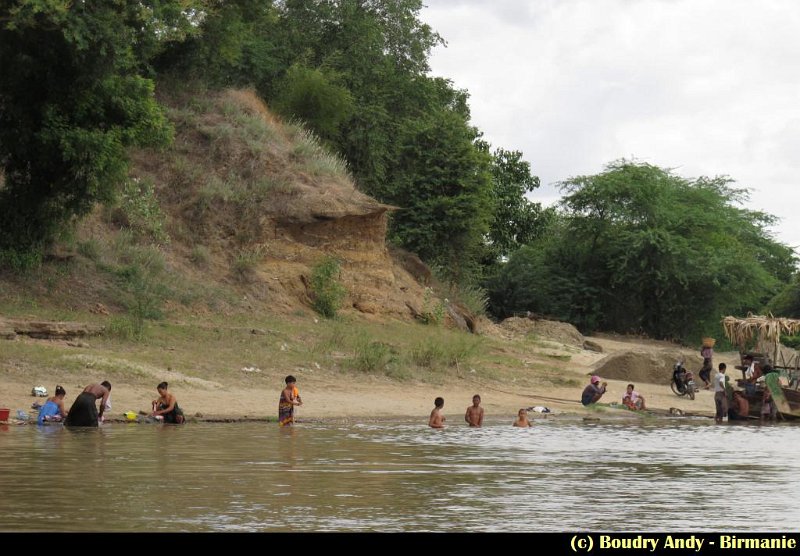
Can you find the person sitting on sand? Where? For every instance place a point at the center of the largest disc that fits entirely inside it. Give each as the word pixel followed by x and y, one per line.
pixel 436 420
pixel 594 391
pixel 474 414
pixel 53 409
pixel 522 419
pixel 632 399
pixel 166 406
pixel 83 412
pixel 740 408
pixel 290 397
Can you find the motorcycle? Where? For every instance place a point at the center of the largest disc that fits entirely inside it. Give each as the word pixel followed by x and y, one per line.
pixel 683 381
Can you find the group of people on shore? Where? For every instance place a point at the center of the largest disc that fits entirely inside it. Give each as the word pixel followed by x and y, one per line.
pixel 595 389
pixel 735 408
pixel 473 416
pixel 84 412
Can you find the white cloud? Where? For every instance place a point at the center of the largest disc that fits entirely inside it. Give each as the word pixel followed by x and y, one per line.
pixel 707 87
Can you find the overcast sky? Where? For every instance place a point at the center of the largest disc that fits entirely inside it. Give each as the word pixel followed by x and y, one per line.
pixel 707 87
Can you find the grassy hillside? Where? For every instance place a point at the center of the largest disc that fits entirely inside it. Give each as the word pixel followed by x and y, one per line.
pixel 231 219
pixel 202 273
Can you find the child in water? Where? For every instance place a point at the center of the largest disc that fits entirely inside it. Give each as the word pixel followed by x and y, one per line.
pixel 522 419
pixel 474 414
pixel 290 397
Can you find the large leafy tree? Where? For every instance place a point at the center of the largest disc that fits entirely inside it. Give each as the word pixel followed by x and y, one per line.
pixel 441 182
pixel 516 220
pixel 378 49
pixel 408 140
pixel 238 43
pixel 643 249
pixel 787 302
pixel 73 96
pixel 316 98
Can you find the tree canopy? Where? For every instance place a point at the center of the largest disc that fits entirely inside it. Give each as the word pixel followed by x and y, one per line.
pixel 633 248
pixel 74 94
pixel 639 248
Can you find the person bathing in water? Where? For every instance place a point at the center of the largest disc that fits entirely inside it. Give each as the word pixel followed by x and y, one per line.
pixel 522 419
pixel 474 414
pixel 436 420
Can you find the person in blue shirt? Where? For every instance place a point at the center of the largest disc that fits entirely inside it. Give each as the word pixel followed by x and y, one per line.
pixel 53 409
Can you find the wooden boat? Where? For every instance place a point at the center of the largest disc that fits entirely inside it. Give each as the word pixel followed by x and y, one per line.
pixel 784 380
pixel 787 400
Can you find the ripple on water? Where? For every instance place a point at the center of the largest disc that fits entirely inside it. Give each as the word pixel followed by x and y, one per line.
pixel 400 477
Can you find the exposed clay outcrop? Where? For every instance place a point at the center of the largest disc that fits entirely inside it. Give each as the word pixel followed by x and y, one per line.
pixel 247 185
pixel 47 330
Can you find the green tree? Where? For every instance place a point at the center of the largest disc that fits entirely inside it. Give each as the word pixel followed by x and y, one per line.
pixel 74 95
pixel 516 220
pixel 441 182
pixel 378 49
pixel 238 43
pixel 315 98
pixel 357 72
pixel 646 250
pixel 787 302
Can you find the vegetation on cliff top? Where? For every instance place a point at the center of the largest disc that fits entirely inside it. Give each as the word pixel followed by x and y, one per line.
pixel 633 248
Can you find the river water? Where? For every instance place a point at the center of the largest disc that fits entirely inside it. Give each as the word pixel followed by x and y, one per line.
pixel 556 476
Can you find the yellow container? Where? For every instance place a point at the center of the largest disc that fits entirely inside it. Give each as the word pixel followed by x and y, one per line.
pixel 130 415
pixel 709 342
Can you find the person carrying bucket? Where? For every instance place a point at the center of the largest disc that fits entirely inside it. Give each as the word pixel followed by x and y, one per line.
pixel 707 353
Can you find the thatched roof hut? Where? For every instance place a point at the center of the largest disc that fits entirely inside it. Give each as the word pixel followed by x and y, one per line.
pixel 766 330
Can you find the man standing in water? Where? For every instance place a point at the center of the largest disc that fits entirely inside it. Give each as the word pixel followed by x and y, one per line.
pixel 83 412
pixel 436 420
pixel 720 396
pixel 474 414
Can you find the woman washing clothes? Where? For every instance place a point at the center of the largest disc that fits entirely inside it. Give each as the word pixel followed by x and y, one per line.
pixel 166 406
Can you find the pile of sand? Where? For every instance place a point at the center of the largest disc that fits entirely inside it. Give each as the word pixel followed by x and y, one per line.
pixel 639 366
pixel 555 331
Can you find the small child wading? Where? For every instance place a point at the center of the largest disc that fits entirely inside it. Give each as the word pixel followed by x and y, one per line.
pixel 474 414
pixel 290 397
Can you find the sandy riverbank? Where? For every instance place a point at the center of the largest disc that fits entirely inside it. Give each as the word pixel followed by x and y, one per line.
pixel 352 398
